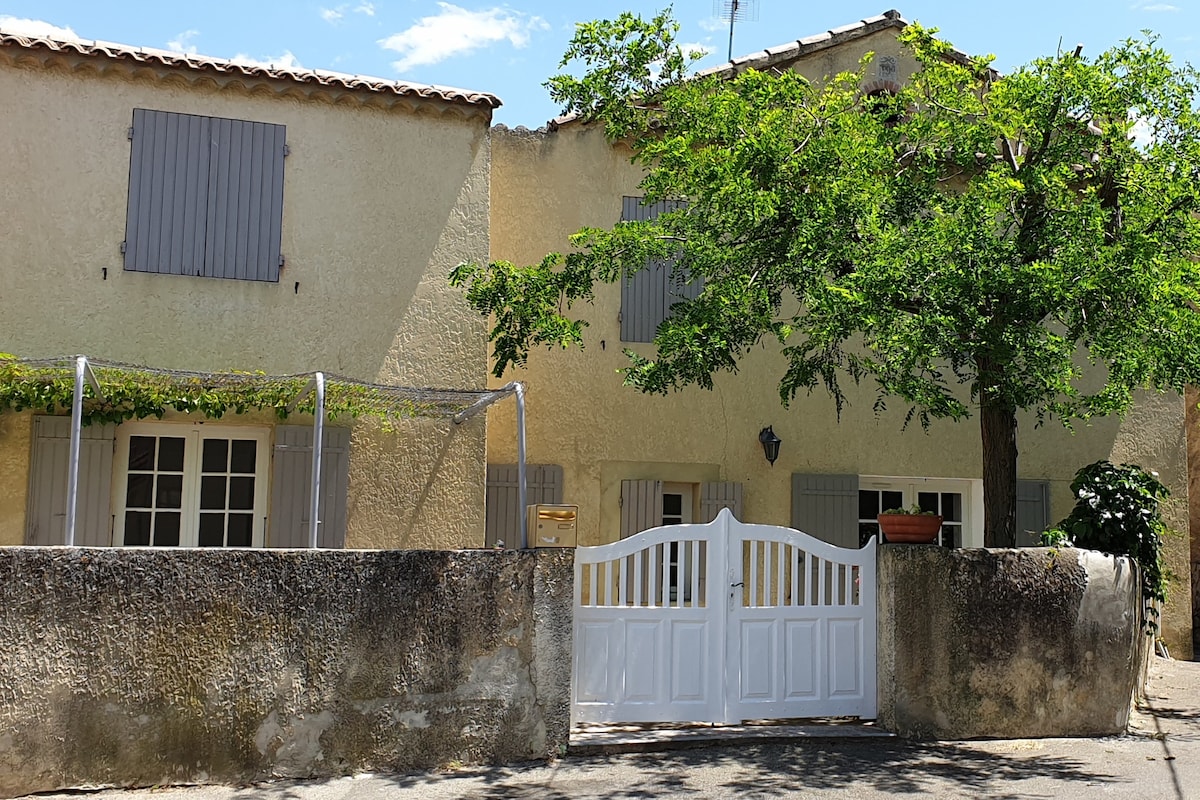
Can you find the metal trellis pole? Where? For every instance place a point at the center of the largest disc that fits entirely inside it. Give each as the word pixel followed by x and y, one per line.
pixel 76 436
pixel 318 446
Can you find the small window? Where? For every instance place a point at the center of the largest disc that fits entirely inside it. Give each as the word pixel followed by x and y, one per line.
pixel 205 196
pixel 647 297
pixel 953 499
pixel 190 486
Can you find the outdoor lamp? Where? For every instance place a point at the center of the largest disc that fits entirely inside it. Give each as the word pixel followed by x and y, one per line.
pixel 770 443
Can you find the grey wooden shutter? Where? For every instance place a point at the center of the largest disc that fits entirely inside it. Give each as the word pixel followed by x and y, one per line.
pixel 717 495
pixel 245 209
pixel 291 487
pixel 167 208
pixel 205 196
pixel 1033 512
pixel 641 506
pixel 543 484
pixel 826 506
pixel 647 297
pixel 46 512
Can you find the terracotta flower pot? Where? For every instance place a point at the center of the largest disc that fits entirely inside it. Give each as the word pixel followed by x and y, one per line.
pixel 910 528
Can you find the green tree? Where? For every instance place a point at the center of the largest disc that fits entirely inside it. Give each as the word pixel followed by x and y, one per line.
pixel 975 242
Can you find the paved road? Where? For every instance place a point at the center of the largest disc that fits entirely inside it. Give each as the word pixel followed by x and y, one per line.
pixel 1161 761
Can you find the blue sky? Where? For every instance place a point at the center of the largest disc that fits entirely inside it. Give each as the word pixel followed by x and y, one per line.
pixel 510 48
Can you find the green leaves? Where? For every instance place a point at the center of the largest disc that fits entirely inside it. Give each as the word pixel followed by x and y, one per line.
pixel 973 218
pixel 1117 510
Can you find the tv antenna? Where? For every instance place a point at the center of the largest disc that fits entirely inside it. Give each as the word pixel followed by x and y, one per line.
pixel 734 11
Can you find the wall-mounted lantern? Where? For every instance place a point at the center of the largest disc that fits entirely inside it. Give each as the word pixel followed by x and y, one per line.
pixel 770 444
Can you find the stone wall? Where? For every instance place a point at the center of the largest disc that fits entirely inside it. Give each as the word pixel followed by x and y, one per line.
pixel 1006 643
pixel 144 667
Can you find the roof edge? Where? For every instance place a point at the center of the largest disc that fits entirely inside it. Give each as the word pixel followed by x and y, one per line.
pixel 790 51
pixel 132 57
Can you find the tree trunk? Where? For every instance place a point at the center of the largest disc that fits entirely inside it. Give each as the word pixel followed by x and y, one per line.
pixel 998 429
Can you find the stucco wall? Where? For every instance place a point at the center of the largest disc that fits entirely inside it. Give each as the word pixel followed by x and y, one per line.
pixel 15 432
pixel 380 202
pixel 548 184
pixel 146 667
pixel 1006 643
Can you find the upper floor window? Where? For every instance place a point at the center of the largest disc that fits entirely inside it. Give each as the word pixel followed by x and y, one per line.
pixel 205 196
pixel 647 297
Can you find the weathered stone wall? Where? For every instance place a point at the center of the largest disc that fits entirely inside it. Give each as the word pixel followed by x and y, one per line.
pixel 1006 643
pixel 143 667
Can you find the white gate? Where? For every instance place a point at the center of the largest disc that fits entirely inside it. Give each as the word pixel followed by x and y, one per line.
pixel 723 622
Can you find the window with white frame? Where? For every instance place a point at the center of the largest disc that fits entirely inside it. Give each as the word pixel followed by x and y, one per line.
pixel 958 501
pixel 190 485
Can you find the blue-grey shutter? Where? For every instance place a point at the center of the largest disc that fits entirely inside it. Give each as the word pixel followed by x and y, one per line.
pixel 647 297
pixel 165 219
pixel 826 506
pixel 641 506
pixel 1033 512
pixel 46 511
pixel 718 495
pixel 205 196
pixel 291 487
pixel 245 207
pixel 543 484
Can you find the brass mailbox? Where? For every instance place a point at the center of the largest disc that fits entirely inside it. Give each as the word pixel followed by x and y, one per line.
pixel 552 525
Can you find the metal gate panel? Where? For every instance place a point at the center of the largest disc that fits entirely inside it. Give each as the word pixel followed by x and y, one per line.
pixel 723 622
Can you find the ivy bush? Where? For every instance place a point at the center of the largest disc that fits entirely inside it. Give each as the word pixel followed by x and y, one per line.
pixel 1117 511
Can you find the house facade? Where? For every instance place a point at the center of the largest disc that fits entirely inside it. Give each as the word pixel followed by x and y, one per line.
pixel 187 213
pixel 632 461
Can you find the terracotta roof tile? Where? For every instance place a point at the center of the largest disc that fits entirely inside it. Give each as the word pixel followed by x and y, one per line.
pixel 167 58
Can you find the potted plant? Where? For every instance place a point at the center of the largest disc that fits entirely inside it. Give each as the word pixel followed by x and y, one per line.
pixel 909 526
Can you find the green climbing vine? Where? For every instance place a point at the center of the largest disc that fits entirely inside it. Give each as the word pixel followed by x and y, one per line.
pixel 131 393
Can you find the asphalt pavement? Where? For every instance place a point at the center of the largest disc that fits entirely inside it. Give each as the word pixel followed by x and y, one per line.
pixel 1158 759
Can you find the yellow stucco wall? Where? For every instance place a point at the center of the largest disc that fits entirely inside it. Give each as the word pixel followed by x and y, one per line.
pixel 15 432
pixel 547 185
pixel 380 202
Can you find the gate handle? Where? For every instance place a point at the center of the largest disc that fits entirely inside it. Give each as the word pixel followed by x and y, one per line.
pixel 735 585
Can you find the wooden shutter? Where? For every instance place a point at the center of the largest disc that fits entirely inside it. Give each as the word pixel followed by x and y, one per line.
pixel 826 506
pixel 647 297
pixel 717 495
pixel 205 196
pixel 543 484
pixel 641 506
pixel 165 220
pixel 46 515
pixel 1033 512
pixel 291 487
pixel 245 208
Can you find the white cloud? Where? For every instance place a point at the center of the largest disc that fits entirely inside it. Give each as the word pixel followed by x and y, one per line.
pixel 365 8
pixel 36 28
pixel 455 31
pixel 692 47
pixel 286 61
pixel 1148 5
pixel 1141 133
pixel 182 42
pixel 713 24
pixel 333 15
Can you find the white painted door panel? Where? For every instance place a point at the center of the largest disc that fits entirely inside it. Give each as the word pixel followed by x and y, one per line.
pixel 764 622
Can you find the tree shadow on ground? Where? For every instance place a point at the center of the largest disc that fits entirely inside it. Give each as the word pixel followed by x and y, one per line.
pixel 772 770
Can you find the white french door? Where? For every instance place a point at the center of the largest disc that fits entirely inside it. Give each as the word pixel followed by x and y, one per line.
pixel 190 485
